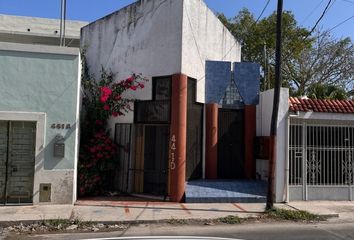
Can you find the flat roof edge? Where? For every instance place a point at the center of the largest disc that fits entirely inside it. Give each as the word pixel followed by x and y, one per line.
pixel 19 47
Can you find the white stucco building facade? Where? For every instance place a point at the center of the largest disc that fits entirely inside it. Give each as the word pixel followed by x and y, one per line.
pixel 161 39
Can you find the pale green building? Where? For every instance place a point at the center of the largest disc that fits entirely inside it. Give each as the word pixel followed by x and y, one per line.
pixel 39 116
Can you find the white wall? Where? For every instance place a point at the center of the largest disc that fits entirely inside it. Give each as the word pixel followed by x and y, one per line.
pixel 264 116
pixel 141 38
pixel 204 38
pixel 325 116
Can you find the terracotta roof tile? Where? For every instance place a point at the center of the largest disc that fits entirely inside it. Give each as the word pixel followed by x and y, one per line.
pixel 318 105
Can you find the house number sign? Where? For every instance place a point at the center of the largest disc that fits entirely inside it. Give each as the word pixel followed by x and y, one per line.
pixel 60 126
pixel 173 150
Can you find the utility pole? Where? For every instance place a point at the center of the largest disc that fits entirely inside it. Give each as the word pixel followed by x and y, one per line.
pixel 62 23
pixel 273 126
pixel 265 70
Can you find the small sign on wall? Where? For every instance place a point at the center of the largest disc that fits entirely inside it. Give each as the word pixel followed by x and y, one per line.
pixel 61 126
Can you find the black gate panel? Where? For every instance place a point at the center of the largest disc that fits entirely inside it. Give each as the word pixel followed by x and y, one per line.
pixel 194 134
pixel 231 144
pixel 156 159
pixel 3 159
pixel 121 174
pixel 17 160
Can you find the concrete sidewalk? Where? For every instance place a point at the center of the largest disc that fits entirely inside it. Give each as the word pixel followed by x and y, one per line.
pixel 108 211
pixel 102 211
pixel 338 210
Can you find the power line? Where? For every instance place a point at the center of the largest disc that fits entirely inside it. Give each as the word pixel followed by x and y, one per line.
pixel 259 17
pixel 320 18
pixel 313 10
pixel 348 1
pixel 328 6
pixel 265 7
pixel 344 21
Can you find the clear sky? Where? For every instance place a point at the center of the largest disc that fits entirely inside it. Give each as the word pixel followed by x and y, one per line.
pixel 306 11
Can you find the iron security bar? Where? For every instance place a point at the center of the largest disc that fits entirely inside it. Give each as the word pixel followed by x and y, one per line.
pixel 323 150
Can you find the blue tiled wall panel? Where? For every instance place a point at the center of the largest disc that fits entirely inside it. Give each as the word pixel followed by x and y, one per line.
pixel 247 79
pixel 217 78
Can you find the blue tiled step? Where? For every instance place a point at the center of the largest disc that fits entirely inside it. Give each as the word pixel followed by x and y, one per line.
pixel 225 191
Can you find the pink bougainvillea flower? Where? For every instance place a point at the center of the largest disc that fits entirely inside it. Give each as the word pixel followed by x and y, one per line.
pixel 104 98
pixel 106 91
pixel 130 80
pixel 106 107
pixel 99 148
pixel 100 155
pixel 93 149
pixel 141 85
pixel 118 97
pixel 114 114
pixel 133 88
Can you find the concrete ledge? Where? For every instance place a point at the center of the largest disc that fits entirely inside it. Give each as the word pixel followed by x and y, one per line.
pixel 18 47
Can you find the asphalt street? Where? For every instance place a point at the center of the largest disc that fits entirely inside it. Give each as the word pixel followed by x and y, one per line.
pixel 257 231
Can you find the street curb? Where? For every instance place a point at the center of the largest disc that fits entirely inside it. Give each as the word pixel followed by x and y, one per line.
pixel 329 215
pixel 136 222
pixel 132 222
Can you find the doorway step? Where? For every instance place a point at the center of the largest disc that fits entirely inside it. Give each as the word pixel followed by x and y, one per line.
pixel 226 191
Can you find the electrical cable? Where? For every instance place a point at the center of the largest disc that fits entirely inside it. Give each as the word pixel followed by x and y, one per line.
pixel 265 7
pixel 320 18
pixel 313 10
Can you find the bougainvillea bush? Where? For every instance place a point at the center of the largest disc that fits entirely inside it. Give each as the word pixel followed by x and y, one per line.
pixel 102 99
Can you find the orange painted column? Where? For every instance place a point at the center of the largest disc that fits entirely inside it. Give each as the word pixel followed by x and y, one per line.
pixel 178 137
pixel 211 141
pixel 250 134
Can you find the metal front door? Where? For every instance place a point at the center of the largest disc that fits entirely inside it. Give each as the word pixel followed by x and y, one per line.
pixel 122 139
pixel 321 160
pixel 17 153
pixel 231 144
pixel 156 159
pixel 3 159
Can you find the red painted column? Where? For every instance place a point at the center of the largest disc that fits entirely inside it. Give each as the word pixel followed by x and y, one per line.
pixel 211 141
pixel 178 137
pixel 250 134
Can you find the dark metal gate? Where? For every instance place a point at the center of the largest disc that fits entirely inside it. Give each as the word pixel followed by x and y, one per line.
pixel 156 159
pixel 321 162
pixel 148 172
pixel 194 144
pixel 17 160
pixel 122 138
pixel 231 144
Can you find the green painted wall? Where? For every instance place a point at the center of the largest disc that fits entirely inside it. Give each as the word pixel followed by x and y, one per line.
pixel 43 82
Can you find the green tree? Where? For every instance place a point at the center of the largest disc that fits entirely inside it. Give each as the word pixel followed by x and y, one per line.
pixel 255 37
pixel 307 58
pixel 321 91
pixel 329 62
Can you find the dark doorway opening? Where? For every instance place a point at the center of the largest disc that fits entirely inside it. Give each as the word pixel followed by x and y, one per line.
pixel 231 144
pixel 156 159
pixel 194 134
pixel 17 161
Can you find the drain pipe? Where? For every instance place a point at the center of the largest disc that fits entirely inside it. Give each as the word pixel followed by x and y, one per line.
pixel 62 23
